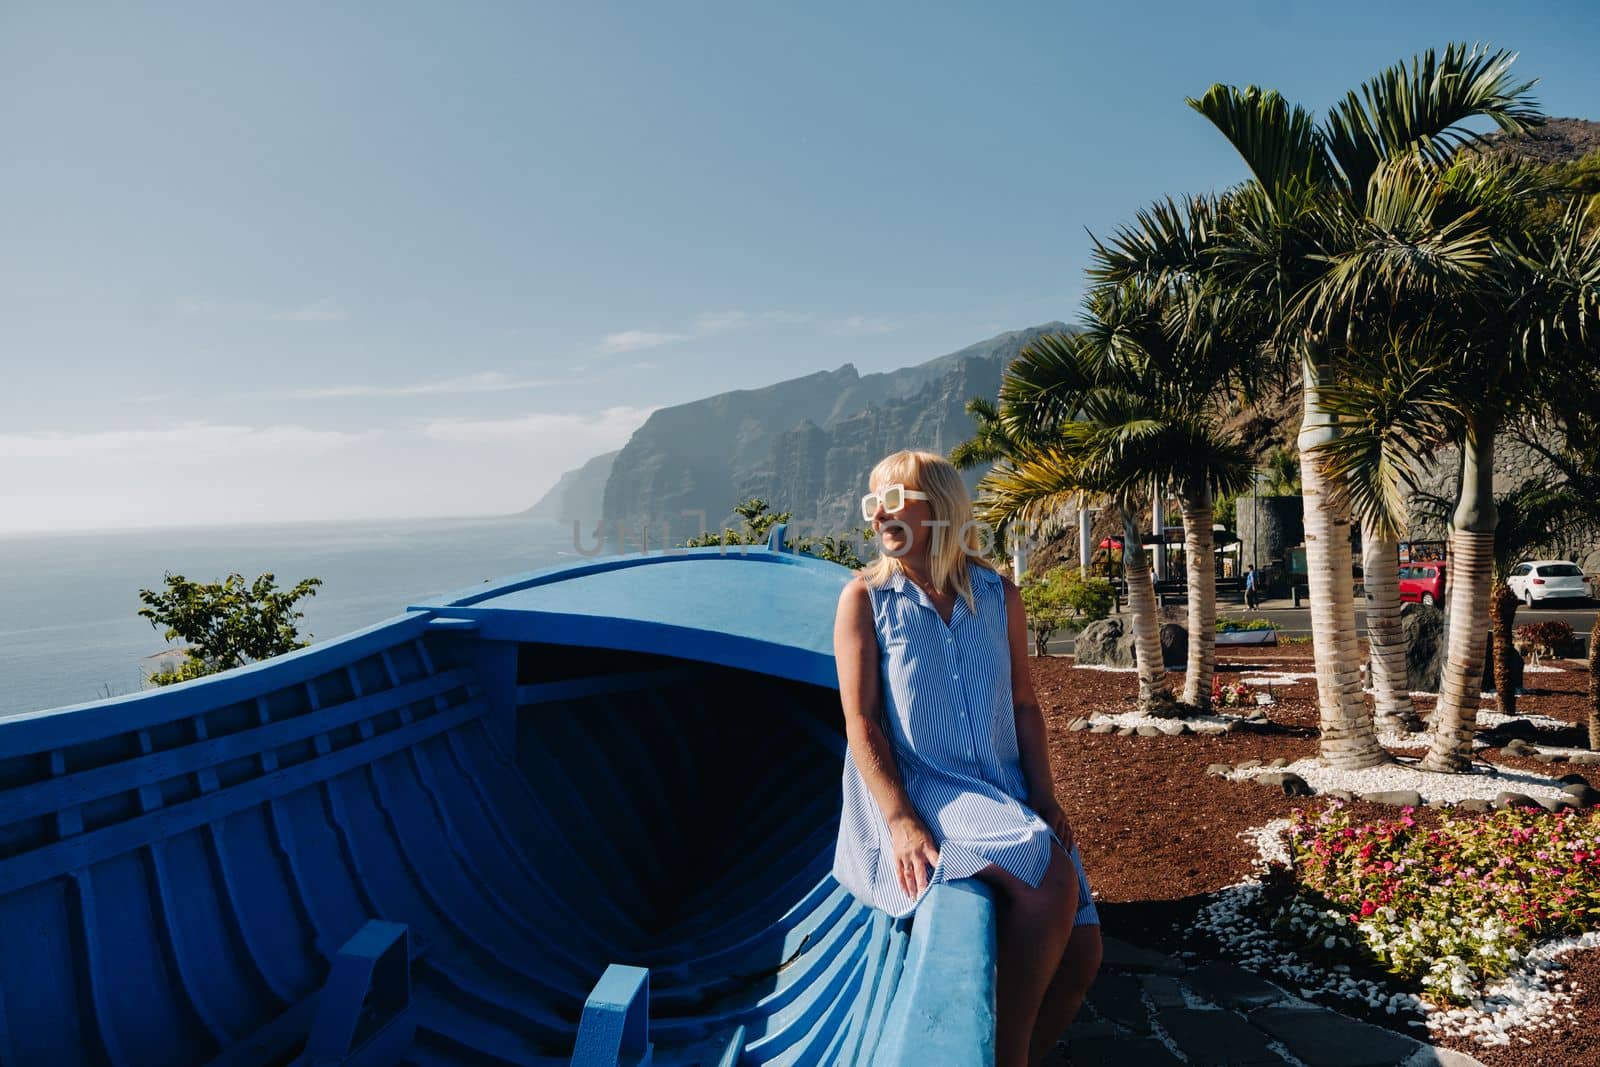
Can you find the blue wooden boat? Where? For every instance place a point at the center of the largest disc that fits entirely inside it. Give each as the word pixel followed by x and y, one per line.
pixel 585 815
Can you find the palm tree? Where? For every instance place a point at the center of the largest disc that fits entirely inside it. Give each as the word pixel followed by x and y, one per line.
pixel 1110 411
pixel 990 443
pixel 1395 401
pixel 1201 344
pixel 1515 310
pixel 1270 244
pixel 1186 348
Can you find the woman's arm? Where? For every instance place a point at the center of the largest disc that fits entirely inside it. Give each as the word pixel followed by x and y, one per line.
pixel 855 651
pixel 1032 745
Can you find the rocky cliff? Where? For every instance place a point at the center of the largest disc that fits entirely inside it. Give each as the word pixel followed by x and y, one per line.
pixel 804 445
pixel 578 495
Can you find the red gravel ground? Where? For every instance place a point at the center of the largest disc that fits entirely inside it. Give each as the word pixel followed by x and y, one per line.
pixel 1158 834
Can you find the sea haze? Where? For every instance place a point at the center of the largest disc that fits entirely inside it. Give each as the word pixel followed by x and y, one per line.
pixel 70 631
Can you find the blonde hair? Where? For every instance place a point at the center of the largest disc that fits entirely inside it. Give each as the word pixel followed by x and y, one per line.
pixel 955 538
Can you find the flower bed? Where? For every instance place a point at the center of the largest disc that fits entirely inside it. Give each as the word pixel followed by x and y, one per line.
pixel 1446 908
pixel 1227 624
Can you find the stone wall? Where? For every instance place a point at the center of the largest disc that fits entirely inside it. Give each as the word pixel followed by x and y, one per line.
pixel 1267 527
pixel 1515 463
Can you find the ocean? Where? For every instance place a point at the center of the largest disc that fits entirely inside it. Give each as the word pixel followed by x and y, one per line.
pixel 69 628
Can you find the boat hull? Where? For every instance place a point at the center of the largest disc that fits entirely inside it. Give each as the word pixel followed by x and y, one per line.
pixel 451 837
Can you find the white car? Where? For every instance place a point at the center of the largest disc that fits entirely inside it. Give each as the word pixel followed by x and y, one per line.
pixel 1547 579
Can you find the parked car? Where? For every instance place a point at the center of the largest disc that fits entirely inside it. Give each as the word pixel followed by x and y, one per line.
pixel 1422 583
pixel 1547 579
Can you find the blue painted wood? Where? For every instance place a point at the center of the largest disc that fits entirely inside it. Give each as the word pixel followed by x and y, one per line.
pixel 520 780
pixel 85 849
pixel 943 1008
pixel 142 772
pixel 603 685
pixel 615 1029
pixel 41 731
pixel 363 1011
pixel 719 604
pixel 733 1049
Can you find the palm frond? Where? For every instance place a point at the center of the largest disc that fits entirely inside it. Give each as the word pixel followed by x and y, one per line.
pixel 1037 489
pixel 1421 110
pixel 1278 141
pixel 1045 384
pixel 1169 239
pixel 1402 250
pixel 1395 406
pixel 989 443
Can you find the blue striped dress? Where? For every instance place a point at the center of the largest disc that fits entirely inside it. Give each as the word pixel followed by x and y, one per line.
pixel 947 696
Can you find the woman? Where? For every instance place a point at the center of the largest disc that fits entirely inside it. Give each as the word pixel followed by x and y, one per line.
pixel 948 775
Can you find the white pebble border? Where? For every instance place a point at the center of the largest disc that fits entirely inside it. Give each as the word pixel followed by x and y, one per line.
pixel 1103 667
pixel 1283 678
pixel 1529 997
pixel 1489 719
pixel 1474 785
pixel 1542 668
pixel 1200 724
pixel 1561 750
pixel 1403 739
pixel 1543 722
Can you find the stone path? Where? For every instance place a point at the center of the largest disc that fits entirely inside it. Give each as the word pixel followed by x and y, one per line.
pixel 1148 1009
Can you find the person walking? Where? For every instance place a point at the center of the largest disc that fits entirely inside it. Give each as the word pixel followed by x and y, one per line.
pixel 948 771
pixel 1251 595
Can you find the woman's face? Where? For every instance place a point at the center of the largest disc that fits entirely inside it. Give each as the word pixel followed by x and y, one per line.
pixel 906 530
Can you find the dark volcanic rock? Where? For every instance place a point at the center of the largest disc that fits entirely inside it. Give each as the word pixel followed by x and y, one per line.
pixel 1174 646
pixel 1103 643
pixel 1423 628
pixel 1292 784
pixel 1109 643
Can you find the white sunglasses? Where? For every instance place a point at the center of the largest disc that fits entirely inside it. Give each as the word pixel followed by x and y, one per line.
pixel 893 498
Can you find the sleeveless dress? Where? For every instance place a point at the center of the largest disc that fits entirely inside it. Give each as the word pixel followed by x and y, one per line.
pixel 947 698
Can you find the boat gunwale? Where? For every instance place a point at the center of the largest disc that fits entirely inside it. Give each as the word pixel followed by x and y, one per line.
pixel 46 729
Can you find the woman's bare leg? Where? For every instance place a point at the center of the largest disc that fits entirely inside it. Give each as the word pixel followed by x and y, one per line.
pixel 1072 980
pixel 1034 928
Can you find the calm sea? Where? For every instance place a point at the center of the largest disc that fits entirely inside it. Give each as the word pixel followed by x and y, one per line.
pixel 69 628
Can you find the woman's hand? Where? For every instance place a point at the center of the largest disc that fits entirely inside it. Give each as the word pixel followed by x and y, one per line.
pixel 915 854
pixel 1055 818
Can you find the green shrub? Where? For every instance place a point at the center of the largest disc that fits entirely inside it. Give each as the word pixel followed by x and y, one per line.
pixel 1448 907
pixel 845 548
pixel 1063 599
pixel 1226 624
pixel 225 624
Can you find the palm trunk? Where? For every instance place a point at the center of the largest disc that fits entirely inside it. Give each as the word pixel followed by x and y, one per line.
pixel 1455 719
pixel 1502 618
pixel 1594 685
pixel 1386 642
pixel 1155 694
pixel 1349 739
pixel 1201 569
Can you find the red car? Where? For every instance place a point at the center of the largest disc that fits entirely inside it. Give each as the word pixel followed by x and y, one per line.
pixel 1422 583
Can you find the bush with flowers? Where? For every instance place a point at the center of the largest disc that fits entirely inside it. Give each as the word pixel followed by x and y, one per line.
pixel 1448 906
pixel 1547 638
pixel 1229 695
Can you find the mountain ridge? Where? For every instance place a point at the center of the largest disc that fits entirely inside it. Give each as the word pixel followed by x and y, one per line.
pixel 805 444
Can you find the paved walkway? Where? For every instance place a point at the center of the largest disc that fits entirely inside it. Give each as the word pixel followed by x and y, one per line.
pixel 1146 1004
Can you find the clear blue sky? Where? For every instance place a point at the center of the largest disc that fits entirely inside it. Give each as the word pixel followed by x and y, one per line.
pixel 308 260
